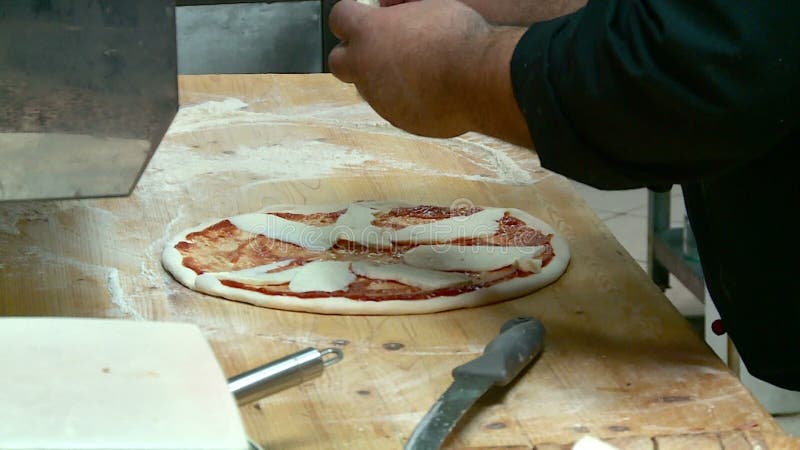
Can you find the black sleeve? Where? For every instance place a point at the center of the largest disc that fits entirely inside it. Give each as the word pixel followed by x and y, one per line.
pixel 627 93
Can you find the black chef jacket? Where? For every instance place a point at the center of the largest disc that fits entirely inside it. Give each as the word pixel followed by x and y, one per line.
pixel 702 93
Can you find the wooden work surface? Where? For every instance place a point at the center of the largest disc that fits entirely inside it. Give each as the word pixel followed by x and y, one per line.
pixel 619 361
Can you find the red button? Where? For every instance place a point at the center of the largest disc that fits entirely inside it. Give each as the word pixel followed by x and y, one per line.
pixel 717 327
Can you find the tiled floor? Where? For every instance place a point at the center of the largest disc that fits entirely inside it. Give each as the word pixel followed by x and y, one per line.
pixel 625 214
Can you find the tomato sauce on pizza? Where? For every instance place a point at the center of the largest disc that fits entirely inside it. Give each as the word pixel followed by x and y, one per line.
pixel 222 247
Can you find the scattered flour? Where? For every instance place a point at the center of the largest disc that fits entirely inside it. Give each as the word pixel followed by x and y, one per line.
pixel 175 164
pixel 45 258
pixel 496 160
pixel 231 111
pixel 118 295
pixel 12 212
pixel 217 114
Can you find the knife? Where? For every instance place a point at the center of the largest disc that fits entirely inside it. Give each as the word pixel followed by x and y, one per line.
pixel 519 342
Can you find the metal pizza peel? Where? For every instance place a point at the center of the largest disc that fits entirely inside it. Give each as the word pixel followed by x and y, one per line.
pixel 519 342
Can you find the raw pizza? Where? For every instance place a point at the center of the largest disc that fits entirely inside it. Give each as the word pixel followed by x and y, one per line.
pixel 369 257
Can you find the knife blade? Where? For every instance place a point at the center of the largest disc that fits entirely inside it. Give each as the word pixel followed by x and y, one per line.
pixel 519 342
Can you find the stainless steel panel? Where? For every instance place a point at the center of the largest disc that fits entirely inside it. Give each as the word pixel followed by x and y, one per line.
pixel 87 90
pixel 250 38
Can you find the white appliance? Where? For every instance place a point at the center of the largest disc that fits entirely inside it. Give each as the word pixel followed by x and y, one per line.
pixel 776 400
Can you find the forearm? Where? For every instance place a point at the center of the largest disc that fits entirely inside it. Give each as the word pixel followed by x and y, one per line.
pixel 491 106
pixel 523 12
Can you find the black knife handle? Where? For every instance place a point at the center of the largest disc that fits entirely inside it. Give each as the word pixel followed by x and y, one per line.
pixel 519 342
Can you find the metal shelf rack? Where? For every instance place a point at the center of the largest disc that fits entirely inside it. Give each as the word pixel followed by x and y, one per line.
pixel 665 253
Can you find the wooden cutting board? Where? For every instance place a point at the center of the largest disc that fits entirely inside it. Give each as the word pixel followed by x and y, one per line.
pixel 619 360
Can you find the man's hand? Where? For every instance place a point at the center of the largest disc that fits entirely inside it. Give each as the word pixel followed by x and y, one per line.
pixel 434 68
pixel 404 60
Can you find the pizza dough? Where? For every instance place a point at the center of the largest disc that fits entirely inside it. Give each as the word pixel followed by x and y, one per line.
pixel 369 257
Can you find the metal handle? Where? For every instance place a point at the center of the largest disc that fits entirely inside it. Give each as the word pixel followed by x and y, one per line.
pixel 281 374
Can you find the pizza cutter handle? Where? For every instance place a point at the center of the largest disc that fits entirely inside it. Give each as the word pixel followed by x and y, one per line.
pixel 519 342
pixel 281 374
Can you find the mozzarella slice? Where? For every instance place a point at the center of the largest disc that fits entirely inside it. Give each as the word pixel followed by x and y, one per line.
pixel 480 224
pixel 307 236
pixel 478 258
pixel 532 265
pixel 355 225
pixel 261 275
pixel 322 276
pixel 409 275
